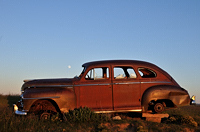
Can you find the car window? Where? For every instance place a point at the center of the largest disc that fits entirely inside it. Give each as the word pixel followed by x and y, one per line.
pixel 97 73
pixel 131 73
pixel 124 73
pixel 146 73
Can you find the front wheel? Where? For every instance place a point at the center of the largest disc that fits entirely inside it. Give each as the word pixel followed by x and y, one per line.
pixel 44 109
pixel 158 108
pixel 45 115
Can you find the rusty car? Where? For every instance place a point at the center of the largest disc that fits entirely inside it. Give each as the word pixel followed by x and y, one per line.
pixel 104 86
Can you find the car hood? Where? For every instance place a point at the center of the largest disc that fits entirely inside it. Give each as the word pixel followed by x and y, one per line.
pixel 46 82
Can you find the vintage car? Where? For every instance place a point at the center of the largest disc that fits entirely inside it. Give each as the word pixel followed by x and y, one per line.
pixel 105 87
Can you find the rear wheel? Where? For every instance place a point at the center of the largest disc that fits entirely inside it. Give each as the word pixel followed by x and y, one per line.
pixel 158 108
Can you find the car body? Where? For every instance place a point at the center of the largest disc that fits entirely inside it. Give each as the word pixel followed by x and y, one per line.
pixel 105 86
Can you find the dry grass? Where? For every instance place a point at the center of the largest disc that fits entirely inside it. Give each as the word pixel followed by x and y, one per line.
pixel 181 119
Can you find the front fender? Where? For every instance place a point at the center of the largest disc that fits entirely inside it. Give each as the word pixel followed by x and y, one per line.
pixel 63 97
pixel 177 95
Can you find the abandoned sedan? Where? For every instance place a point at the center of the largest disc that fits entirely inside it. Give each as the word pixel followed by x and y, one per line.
pixel 105 87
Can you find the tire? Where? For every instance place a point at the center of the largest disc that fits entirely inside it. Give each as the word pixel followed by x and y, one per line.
pixel 158 108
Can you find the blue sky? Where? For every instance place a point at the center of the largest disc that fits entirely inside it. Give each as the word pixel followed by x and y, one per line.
pixel 40 39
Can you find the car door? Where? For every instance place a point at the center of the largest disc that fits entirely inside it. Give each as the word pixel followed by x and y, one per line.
pixel 96 89
pixel 126 88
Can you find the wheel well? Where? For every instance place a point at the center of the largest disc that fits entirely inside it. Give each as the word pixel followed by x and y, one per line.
pixel 166 102
pixel 55 105
pixel 44 105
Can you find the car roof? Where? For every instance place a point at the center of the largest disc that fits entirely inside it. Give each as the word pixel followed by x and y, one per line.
pixel 120 62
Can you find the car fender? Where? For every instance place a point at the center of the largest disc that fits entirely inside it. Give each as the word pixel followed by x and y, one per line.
pixel 177 95
pixel 63 97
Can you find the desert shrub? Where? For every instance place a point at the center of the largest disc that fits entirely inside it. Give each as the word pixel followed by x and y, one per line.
pixel 181 117
pixel 84 114
pixel 190 121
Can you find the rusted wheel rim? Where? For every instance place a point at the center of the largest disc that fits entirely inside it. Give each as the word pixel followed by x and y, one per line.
pixel 45 116
pixel 158 108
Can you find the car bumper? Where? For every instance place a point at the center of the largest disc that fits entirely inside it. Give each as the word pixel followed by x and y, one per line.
pixel 192 100
pixel 17 111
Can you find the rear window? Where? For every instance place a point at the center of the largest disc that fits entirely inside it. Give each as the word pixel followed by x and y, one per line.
pixel 146 73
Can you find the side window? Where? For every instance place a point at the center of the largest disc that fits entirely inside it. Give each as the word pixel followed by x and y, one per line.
pixel 124 73
pixel 146 73
pixel 119 73
pixel 97 73
pixel 131 72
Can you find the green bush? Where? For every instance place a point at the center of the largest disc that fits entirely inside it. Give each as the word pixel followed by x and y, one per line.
pixel 84 115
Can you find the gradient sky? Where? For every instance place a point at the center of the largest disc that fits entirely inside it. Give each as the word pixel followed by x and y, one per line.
pixel 40 39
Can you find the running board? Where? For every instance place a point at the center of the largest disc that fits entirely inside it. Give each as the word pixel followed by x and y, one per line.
pixel 117 111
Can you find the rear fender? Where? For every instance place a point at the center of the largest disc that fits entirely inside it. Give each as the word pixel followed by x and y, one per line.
pixel 177 95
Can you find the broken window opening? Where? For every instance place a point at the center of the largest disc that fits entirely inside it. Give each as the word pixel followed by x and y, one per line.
pixel 146 73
